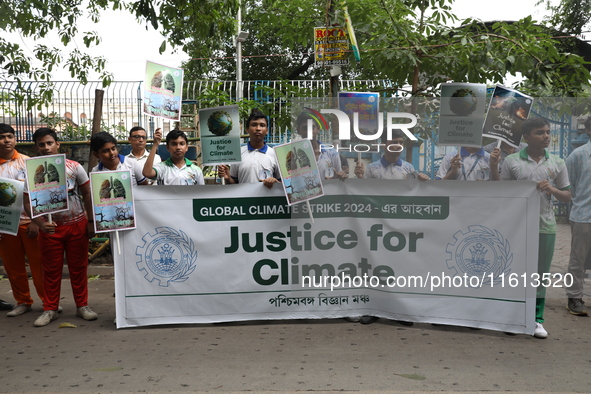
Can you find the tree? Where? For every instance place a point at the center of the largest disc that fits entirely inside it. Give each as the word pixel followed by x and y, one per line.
pixel 568 16
pixel 209 20
pixel 35 19
pixel 279 44
pixel 409 42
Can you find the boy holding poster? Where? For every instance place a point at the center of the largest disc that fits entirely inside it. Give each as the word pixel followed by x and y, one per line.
pixel 176 170
pixel 13 248
pixel 390 166
pixel 549 171
pixel 104 147
pixel 327 159
pixel 68 233
pixel 471 164
pixel 259 161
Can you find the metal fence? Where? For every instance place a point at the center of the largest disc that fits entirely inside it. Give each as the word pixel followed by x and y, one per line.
pixel 71 110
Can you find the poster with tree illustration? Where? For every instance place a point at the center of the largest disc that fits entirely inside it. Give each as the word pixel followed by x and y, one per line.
pixel 163 89
pixel 47 184
pixel 299 172
pixel 112 201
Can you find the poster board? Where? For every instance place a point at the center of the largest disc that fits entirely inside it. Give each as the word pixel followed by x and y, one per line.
pixel 462 114
pixel 163 90
pixel 220 135
pixel 506 113
pixel 11 205
pixel 112 201
pixel 299 172
pixel 47 184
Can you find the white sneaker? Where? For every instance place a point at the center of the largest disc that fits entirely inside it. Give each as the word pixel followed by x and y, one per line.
pixel 86 313
pixel 45 318
pixel 19 310
pixel 539 332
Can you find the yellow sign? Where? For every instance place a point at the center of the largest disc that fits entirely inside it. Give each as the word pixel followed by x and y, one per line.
pixel 331 46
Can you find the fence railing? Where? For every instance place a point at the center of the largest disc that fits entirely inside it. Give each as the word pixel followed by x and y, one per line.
pixel 71 110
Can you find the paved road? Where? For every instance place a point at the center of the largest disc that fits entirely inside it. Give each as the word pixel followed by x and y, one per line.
pixel 286 356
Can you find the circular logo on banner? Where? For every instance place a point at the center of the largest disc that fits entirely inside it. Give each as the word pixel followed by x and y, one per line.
pixel 479 252
pixel 166 256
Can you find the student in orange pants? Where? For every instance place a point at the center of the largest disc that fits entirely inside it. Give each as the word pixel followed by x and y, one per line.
pixel 13 248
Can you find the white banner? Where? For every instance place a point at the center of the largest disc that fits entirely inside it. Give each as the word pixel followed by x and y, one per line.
pixel 448 252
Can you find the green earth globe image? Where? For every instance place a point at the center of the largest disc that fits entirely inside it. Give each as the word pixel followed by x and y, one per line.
pixel 463 102
pixel 7 194
pixel 219 123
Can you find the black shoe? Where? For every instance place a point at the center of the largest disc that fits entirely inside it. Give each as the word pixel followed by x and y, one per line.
pixel 367 319
pixel 6 306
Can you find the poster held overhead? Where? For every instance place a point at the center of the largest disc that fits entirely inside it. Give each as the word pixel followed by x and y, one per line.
pixel 163 91
pixel 362 108
pixel 462 114
pixel 508 110
pixel 11 205
pixel 46 184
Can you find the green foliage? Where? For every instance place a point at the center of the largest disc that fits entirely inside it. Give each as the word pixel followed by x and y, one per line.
pixel 36 19
pixel 70 131
pixel 411 43
pixel 276 104
pixel 568 16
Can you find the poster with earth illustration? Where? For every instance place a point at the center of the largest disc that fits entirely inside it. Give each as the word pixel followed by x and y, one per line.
pixel 462 114
pixel 11 205
pixel 220 135
pixel 507 111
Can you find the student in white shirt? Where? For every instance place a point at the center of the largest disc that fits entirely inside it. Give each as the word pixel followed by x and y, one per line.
pixel 177 169
pixel 104 147
pixel 259 161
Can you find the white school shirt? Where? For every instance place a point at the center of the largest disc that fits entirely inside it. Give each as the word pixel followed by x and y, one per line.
pixel 257 164
pixel 126 163
pixel 167 173
pixel 475 166
pixel 383 169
